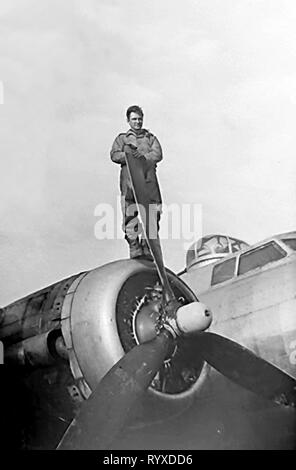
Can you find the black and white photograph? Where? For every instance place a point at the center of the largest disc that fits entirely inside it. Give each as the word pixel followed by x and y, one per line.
pixel 147 227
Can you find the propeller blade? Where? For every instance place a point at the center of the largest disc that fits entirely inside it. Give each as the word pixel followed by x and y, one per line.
pixel 136 172
pixel 104 414
pixel 243 367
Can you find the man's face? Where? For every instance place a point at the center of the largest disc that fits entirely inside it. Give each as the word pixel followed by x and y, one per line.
pixel 135 121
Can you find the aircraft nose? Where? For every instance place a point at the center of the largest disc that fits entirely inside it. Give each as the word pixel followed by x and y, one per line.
pixel 193 317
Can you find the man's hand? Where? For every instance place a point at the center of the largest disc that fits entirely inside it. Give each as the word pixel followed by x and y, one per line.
pixel 129 149
pixel 132 146
pixel 133 150
pixel 136 154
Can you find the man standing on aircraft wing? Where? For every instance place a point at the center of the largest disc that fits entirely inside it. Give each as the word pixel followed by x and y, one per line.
pixel 141 144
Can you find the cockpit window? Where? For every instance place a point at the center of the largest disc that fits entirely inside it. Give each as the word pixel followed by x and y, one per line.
pixel 260 257
pixel 212 247
pixel 213 244
pixel 291 242
pixel 237 245
pixel 223 271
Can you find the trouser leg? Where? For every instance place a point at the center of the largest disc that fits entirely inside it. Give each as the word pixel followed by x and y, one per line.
pixel 131 227
pixel 153 226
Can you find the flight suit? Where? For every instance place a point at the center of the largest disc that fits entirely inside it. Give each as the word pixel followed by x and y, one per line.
pixel 148 146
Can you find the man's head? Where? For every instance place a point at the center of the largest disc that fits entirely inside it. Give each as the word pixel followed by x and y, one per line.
pixel 135 115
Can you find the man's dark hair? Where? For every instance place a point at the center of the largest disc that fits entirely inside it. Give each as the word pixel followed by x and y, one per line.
pixel 134 109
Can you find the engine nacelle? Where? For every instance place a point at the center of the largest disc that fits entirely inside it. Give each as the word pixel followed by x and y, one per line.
pixel 100 315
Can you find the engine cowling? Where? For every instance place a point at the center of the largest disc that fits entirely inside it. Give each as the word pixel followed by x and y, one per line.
pixel 103 317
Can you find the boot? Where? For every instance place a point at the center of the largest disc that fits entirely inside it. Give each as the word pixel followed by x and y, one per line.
pixel 146 251
pixel 135 249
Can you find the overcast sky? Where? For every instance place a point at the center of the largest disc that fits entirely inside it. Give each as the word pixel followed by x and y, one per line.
pixel 217 81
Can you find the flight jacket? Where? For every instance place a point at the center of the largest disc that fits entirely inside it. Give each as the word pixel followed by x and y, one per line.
pixel 147 145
